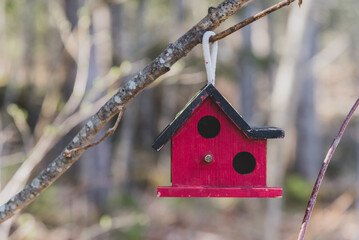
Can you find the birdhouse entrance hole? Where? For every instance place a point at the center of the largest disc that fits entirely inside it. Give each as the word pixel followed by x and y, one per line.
pixel 208 126
pixel 244 163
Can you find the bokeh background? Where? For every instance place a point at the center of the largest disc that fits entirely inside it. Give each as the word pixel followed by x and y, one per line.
pixel 296 69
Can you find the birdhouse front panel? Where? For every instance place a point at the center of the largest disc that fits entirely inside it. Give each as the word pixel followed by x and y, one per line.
pixel 233 159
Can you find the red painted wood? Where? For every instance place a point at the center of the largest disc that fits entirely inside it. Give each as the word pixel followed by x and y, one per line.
pixel 253 192
pixel 189 148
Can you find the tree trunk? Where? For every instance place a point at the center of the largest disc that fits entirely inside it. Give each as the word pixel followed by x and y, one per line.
pixel 308 141
pixel 96 164
pixel 71 9
pixel 247 75
pixel 283 109
pixel 117 31
pixel 2 39
pixel 146 105
pixel 126 147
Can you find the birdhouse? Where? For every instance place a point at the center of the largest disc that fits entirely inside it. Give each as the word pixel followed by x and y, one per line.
pixel 215 153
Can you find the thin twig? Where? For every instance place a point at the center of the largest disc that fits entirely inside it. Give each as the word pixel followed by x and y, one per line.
pixel 68 152
pixel 324 167
pixel 251 19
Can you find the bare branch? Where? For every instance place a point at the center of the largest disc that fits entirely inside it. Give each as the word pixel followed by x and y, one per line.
pixel 251 19
pixel 324 167
pixel 67 153
pixel 132 88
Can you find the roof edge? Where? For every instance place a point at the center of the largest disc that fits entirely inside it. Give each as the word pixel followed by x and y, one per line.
pixel 196 101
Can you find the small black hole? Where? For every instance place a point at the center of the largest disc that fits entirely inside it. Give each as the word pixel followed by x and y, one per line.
pixel 208 127
pixel 244 163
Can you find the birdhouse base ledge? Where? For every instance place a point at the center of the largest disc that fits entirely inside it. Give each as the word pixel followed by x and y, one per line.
pixel 219 192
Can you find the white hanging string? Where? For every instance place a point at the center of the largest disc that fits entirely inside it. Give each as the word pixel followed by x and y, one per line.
pixel 210 57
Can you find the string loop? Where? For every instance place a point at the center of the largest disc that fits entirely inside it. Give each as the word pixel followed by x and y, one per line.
pixel 210 57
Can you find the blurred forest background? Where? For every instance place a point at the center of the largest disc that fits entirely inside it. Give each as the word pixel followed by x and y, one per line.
pixel 61 60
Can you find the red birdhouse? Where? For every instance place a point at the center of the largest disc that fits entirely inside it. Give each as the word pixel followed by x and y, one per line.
pixel 215 153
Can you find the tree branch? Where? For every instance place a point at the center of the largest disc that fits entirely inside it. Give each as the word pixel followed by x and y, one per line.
pixel 126 93
pixel 251 19
pixel 324 167
pixel 67 153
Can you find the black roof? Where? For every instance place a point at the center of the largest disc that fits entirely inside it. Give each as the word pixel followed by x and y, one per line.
pixel 210 91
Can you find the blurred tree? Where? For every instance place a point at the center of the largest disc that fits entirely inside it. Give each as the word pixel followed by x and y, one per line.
pixel 117 30
pixel 146 103
pixel 284 103
pixel 307 159
pixel 96 170
pixel 247 72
